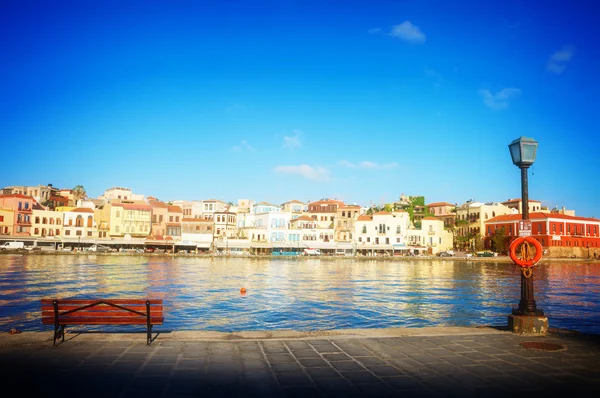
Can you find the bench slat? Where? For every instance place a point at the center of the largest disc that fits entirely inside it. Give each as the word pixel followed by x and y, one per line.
pixel 140 308
pixel 104 321
pixel 108 313
pixel 90 301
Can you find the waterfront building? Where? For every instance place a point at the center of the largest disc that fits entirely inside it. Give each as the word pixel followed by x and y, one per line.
pixel 57 201
pixel 7 221
pixel 120 194
pixel 46 223
pixel 265 207
pixel 186 207
pixel 225 224
pixel 517 204
pixel 562 210
pixel 444 211
pixel 22 205
pixel 124 218
pixel 470 221
pixel 174 217
pixel 295 207
pixel 208 208
pixel 79 223
pixel 435 236
pixel 324 212
pixel 198 232
pixel 41 193
pixel 382 233
pixel 276 226
pixel 345 218
pixel 561 235
pixel 159 216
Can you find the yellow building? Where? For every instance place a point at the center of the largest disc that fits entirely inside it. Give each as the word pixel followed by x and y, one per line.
pixel 7 221
pixel 133 218
pixel 46 223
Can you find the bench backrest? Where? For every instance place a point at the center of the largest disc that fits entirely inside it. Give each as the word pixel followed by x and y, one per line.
pixel 102 312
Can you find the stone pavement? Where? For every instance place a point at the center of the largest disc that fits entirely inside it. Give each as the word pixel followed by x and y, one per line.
pixel 428 362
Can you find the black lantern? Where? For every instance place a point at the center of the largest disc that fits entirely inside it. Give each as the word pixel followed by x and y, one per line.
pixel 523 151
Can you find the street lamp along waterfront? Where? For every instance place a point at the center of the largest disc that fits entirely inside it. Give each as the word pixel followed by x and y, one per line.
pixel 527 318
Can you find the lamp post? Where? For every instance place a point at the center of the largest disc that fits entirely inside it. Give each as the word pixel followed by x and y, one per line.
pixel 588 247
pixel 523 151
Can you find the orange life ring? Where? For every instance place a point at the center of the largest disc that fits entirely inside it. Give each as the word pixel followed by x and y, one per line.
pixel 518 242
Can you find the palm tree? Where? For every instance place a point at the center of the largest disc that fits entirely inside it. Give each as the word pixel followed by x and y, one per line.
pixel 79 193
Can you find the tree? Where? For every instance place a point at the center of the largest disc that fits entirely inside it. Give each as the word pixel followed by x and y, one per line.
pixel 79 193
pixel 500 241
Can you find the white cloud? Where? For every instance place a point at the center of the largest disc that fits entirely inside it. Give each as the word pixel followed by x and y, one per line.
pixel 408 32
pixel 367 165
pixel 291 142
pixel 310 173
pixel 501 99
pixel 558 61
pixel 243 146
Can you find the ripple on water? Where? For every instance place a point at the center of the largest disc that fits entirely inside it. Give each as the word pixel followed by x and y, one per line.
pixel 204 293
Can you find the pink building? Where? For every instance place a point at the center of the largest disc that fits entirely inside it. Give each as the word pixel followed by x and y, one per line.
pixel 23 207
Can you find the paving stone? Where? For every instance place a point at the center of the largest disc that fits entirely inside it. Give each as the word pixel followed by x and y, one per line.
pixel 384 371
pixel 336 357
pixel 347 366
pixel 334 385
pixel 280 358
pixel 322 373
pixel 361 376
pixel 313 362
pixel 293 379
pixel 371 361
pixel 306 353
pixel 403 383
pixel 283 367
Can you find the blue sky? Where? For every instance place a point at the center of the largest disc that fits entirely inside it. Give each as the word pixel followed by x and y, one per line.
pixel 281 100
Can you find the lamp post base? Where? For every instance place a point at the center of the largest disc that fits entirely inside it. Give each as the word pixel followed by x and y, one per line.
pixel 528 325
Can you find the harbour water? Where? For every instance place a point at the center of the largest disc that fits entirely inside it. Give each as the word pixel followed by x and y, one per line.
pixel 301 294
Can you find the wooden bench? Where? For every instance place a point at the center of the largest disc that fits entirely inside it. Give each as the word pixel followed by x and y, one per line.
pixel 62 312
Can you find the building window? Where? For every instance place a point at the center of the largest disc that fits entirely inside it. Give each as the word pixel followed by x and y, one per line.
pixel 67 232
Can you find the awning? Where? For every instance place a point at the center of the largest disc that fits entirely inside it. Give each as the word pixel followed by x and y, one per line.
pixel 159 242
pixel 321 245
pixel 374 247
pixel 261 245
pixel 233 243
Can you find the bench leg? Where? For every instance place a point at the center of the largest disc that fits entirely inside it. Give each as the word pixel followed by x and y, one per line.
pixel 149 335
pixel 59 331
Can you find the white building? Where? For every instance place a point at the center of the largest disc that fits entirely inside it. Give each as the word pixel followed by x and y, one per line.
pixel 382 233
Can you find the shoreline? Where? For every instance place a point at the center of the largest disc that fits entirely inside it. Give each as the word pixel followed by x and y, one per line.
pixel 499 259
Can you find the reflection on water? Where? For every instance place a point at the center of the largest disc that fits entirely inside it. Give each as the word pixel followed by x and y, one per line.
pixel 312 294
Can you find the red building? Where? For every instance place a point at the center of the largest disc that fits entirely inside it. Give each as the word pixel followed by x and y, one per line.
pixel 561 235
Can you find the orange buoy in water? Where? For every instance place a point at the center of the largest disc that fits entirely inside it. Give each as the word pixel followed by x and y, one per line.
pixel 243 290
